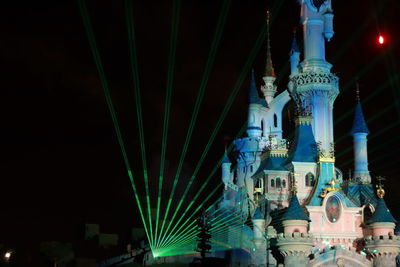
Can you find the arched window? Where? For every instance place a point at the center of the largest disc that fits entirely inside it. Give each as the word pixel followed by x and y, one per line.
pixel 309 179
pixel 259 183
pixel 262 127
pixel 272 183
pixel 283 183
pixel 275 120
pixel 278 182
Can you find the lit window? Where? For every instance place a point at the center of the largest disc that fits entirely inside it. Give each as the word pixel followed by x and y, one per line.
pixel 309 179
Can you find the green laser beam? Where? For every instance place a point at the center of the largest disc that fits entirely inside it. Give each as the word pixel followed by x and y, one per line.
pixel 106 91
pixel 170 76
pixel 209 64
pixel 135 75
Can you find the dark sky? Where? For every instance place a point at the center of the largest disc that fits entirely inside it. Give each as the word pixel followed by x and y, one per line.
pixel 61 164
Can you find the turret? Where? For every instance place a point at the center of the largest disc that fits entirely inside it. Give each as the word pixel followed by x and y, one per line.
pixel 295 243
pixel 226 170
pixel 254 121
pixel 314 86
pixel 260 252
pixel 269 87
pixel 294 56
pixel 360 132
pixel 383 245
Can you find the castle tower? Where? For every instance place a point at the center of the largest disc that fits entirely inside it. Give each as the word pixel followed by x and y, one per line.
pixel 295 243
pixel 269 88
pixel 226 170
pixel 360 132
pixel 314 86
pixel 254 123
pixel 260 253
pixel 383 245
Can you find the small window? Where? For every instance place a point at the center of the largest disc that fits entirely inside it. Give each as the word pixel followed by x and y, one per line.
pixel 309 179
pixel 275 120
pixel 272 183
pixel 251 168
pixel 278 182
pixel 262 127
pixel 283 183
pixel 259 183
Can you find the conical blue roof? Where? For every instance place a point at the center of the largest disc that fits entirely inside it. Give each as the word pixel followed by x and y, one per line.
pixel 295 211
pixel 253 94
pixel 382 213
pixel 397 229
pixel 304 146
pixel 359 124
pixel 226 158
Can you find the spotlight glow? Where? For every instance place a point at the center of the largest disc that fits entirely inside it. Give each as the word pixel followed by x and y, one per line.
pixel 381 40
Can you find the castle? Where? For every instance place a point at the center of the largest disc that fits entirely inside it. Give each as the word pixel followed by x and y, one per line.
pixel 291 205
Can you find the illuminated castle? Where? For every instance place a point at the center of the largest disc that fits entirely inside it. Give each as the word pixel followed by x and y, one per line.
pixel 291 204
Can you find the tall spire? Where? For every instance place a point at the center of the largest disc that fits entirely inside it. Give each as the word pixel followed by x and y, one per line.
pixel 226 157
pixel 359 124
pixel 253 94
pixel 269 68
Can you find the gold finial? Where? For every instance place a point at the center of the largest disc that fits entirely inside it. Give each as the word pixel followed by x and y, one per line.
pixel 380 191
pixel 330 188
pixel 293 186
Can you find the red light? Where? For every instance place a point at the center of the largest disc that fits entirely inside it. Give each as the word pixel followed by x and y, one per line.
pixel 381 40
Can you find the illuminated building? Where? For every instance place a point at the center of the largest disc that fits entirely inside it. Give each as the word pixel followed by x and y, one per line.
pixel 291 203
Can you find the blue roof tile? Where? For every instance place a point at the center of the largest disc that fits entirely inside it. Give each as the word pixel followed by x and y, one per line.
pixel 359 124
pixel 382 213
pixel 295 211
pixel 304 146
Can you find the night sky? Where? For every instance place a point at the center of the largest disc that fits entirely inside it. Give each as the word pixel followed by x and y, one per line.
pixel 61 165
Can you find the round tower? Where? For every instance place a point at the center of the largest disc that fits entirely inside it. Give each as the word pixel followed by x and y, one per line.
pixel 360 132
pixel 383 245
pixel 226 170
pixel 314 85
pixel 295 243
pixel 260 250
pixel 254 123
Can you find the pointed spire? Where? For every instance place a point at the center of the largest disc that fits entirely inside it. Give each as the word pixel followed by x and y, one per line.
pixel 295 211
pixel 226 158
pixel 269 68
pixel 382 213
pixel 359 124
pixel 253 94
pixel 294 48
